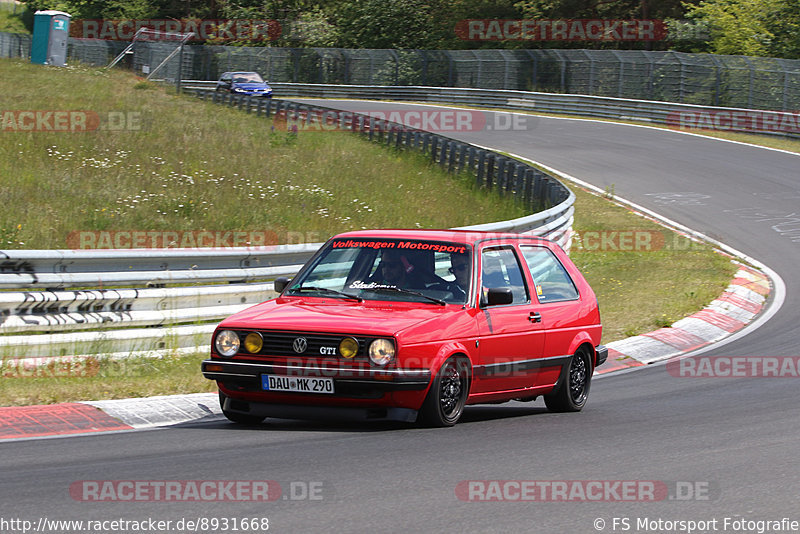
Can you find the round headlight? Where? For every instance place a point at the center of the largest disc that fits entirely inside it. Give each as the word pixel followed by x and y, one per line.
pixel 253 342
pixel 227 343
pixel 348 348
pixel 381 351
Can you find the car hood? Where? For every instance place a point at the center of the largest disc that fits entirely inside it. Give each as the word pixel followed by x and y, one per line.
pixel 378 318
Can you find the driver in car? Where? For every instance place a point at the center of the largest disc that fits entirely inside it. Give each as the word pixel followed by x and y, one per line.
pixel 395 270
pixel 459 267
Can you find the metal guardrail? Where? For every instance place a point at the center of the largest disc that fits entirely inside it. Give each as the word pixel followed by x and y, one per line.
pixel 158 318
pixel 721 118
pixel 58 269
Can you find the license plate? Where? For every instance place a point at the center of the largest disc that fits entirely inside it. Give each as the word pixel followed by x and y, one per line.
pixel 297 384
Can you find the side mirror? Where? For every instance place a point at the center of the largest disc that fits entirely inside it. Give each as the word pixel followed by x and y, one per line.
pixel 281 282
pixel 499 295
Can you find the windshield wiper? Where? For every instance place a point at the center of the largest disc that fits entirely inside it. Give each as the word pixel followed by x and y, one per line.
pixel 328 291
pixel 408 292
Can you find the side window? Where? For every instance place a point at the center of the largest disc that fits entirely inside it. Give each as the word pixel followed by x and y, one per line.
pixel 550 278
pixel 500 268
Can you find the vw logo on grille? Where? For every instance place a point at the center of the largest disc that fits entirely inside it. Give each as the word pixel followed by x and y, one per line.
pixel 300 345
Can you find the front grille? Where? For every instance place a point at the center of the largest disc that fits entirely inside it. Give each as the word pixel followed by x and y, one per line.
pixel 317 345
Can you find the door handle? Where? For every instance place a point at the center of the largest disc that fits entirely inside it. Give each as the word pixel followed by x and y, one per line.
pixel 535 317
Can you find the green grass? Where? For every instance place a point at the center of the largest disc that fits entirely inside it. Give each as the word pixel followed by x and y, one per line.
pixel 198 166
pixel 102 378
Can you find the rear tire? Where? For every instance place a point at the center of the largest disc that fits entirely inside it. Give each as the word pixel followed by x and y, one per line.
pixel 236 417
pixel 572 393
pixel 447 396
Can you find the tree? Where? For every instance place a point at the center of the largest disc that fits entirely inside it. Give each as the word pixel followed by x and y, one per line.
pixel 751 27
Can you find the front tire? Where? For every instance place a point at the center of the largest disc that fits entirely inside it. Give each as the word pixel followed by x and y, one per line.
pixel 447 396
pixel 236 417
pixel 572 393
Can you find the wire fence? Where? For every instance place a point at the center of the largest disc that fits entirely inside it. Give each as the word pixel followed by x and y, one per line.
pixel 702 79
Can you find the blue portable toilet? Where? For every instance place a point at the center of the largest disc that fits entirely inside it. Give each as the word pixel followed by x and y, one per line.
pixel 50 33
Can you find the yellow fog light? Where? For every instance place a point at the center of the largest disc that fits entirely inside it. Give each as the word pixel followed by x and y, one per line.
pixel 253 342
pixel 348 348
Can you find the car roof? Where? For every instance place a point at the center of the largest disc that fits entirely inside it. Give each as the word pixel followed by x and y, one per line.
pixel 457 236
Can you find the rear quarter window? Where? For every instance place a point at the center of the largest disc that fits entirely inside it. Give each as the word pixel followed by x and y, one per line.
pixel 550 278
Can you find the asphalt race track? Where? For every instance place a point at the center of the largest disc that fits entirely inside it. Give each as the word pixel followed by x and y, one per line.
pixel 716 450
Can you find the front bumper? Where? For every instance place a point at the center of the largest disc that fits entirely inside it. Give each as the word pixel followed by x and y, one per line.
pixel 345 378
pixel 317 412
pixel 602 354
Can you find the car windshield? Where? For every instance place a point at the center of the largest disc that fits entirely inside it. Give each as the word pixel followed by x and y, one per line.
pixel 247 77
pixel 411 270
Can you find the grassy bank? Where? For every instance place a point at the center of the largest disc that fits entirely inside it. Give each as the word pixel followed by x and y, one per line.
pixel 171 163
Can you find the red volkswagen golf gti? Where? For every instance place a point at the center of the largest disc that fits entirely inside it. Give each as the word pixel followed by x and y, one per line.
pixel 412 325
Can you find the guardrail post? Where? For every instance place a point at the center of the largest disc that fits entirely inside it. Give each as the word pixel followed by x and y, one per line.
pixel 515 182
pixel 528 191
pixel 501 175
pixel 481 164
pixel 390 133
pixel 302 115
pixel 548 192
pixel 538 186
pixel 490 161
pixel 451 159
pixel 462 155
pixel 434 146
pixel 447 147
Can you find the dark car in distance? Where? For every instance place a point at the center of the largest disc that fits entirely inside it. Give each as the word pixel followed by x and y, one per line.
pixel 243 83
